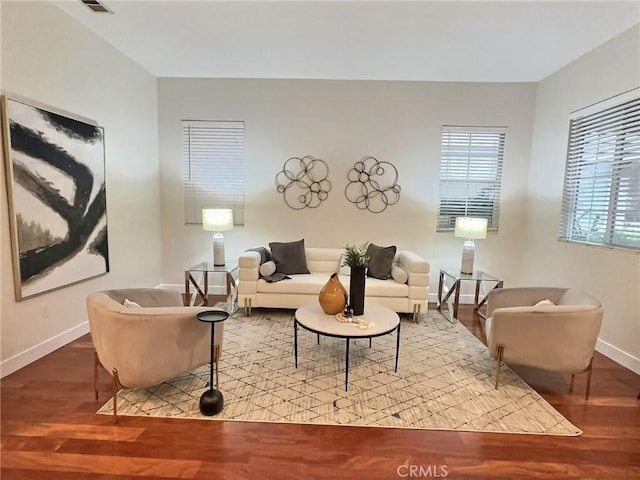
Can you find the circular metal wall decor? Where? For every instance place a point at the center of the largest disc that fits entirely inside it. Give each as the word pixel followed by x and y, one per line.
pixel 303 182
pixel 373 185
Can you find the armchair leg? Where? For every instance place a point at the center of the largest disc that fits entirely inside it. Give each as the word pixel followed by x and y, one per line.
pixel 589 370
pixel 247 307
pixel 96 366
pixel 116 383
pixel 500 347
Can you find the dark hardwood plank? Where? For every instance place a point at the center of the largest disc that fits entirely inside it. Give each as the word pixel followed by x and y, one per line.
pixel 50 430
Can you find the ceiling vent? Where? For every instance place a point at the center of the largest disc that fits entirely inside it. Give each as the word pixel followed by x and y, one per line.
pixel 96 6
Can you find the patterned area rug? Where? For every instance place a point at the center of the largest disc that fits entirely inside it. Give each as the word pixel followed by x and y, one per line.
pixel 445 381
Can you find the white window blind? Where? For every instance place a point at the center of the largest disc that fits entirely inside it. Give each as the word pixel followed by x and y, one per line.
pixel 213 158
pixel 470 174
pixel 601 194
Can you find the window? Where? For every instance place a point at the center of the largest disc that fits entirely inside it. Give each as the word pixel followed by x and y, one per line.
pixel 213 157
pixel 470 174
pixel 601 195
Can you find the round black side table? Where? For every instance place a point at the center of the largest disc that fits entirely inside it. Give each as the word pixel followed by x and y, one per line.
pixel 212 401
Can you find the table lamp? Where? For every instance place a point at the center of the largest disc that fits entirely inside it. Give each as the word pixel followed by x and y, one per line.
pixel 469 228
pixel 217 220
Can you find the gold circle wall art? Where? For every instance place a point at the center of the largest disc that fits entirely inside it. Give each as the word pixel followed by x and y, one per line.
pixel 373 185
pixel 303 182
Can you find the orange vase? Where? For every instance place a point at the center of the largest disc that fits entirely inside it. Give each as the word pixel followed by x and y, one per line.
pixel 333 296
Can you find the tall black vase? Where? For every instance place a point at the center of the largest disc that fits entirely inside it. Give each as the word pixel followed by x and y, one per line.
pixel 356 290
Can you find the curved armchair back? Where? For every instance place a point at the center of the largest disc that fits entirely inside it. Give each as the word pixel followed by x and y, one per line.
pixel 559 335
pixel 150 343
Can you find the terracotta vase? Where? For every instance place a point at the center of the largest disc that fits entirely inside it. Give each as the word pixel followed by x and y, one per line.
pixel 333 296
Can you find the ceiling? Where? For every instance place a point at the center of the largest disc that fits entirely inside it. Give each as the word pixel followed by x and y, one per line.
pixel 475 41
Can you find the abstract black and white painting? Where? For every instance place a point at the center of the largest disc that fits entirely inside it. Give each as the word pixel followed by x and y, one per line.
pixel 56 195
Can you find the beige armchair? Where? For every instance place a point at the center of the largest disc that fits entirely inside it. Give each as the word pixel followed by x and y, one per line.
pixel 558 334
pixel 146 344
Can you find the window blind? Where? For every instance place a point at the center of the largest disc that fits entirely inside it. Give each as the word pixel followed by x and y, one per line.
pixel 470 174
pixel 601 193
pixel 213 173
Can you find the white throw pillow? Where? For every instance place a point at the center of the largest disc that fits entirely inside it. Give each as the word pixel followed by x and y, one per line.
pixel 399 274
pixel 543 305
pixel 129 303
pixel 267 268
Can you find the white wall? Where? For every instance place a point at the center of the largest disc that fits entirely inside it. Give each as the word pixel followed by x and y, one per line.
pixel 50 58
pixel 340 122
pixel 612 275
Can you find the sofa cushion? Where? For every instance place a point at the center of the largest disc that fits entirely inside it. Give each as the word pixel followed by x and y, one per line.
pixel 310 283
pixel 323 259
pixel 289 257
pixel 381 261
pixel 374 287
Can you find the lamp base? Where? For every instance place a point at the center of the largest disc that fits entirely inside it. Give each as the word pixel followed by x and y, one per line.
pixel 468 253
pixel 218 249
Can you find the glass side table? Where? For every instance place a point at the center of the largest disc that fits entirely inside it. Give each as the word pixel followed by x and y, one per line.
pixel 198 277
pixel 454 274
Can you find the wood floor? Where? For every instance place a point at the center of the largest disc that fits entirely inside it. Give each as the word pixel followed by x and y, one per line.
pixel 50 431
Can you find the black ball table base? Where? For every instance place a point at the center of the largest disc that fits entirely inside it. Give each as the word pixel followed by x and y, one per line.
pixel 211 402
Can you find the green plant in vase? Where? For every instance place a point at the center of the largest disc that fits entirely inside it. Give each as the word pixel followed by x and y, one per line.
pixel 356 256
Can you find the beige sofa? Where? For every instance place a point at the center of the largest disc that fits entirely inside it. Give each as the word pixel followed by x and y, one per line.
pixel 409 297
pixel 545 327
pixel 145 345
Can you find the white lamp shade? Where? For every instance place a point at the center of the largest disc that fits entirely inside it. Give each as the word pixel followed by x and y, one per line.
pixel 469 227
pixel 217 219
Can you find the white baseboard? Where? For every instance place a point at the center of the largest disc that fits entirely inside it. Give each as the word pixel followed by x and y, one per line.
pixel 619 356
pixel 36 352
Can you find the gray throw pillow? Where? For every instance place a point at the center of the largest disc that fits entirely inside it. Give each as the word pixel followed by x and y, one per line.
pixel 381 261
pixel 289 257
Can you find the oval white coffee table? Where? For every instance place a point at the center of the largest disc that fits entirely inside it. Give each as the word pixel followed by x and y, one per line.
pixel 311 317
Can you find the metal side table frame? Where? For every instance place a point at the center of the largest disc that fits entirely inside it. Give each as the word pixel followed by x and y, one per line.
pixel 457 277
pixel 198 277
